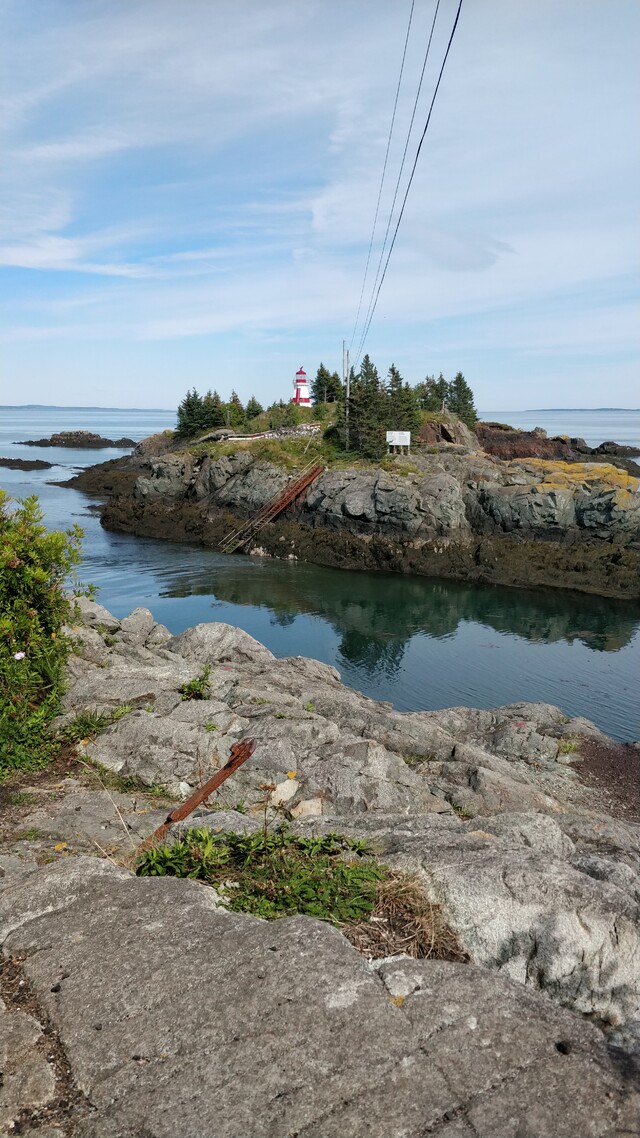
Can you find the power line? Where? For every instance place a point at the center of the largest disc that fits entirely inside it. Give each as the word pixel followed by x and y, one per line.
pixel 413 170
pixel 398 180
pixel 384 170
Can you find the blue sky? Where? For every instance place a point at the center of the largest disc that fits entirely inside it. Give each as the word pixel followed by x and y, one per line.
pixel 188 189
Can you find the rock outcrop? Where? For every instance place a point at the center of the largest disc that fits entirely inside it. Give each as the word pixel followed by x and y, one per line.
pixel 173 1015
pixel 507 442
pixel 467 516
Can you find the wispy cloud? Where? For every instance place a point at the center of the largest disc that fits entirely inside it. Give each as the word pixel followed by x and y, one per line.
pixel 207 176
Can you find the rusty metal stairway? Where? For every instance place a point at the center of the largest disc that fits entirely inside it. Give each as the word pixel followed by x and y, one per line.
pixel 245 533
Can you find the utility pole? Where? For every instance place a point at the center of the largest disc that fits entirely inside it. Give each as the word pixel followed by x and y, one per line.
pixel 346 408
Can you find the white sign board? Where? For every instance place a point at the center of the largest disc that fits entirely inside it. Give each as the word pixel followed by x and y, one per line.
pixel 399 438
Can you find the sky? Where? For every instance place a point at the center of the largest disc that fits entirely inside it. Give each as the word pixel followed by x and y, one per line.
pixel 188 190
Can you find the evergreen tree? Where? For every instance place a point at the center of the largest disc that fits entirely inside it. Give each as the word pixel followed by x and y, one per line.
pixel 367 399
pixel 234 412
pixel 460 400
pixel 427 395
pixel 441 389
pixel 189 415
pixel 334 388
pixel 253 408
pixel 401 406
pixel 212 411
pixel 320 385
pixel 291 415
pixel 326 387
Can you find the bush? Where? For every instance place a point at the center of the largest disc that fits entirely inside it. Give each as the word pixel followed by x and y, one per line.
pixel 35 567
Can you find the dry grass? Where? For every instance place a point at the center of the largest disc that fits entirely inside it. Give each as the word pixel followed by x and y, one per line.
pixel 404 920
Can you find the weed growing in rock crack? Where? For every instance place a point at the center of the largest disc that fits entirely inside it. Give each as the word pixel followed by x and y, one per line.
pixel 309 706
pixel 88 723
pixel 568 746
pixel 276 874
pixel 22 798
pixel 31 835
pixel 211 727
pixel 460 809
pixel 414 760
pixel 197 688
pixel 331 877
pixel 111 780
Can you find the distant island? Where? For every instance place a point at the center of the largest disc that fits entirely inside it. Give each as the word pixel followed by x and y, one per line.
pixel 78 440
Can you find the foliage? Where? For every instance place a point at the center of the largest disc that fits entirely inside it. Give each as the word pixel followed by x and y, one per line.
pixel 326 387
pixel 276 874
pixel 125 784
pixel 254 408
pixel 460 400
pixel 197 688
pixel 568 746
pixel 88 723
pixel 35 567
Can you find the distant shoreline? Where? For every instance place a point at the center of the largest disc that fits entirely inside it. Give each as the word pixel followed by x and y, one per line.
pixel 73 407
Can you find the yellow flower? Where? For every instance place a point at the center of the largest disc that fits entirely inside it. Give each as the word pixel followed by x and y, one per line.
pixel 60 846
pixel 291 774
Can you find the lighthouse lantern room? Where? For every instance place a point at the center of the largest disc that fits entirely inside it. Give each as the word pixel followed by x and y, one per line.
pixel 302 396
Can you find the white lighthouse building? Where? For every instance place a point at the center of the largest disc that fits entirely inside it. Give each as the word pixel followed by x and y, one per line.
pixel 302 396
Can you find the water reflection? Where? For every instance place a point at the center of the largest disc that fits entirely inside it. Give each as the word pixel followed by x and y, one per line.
pixel 375 616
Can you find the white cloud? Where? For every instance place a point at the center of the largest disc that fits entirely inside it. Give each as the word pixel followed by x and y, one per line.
pixel 220 164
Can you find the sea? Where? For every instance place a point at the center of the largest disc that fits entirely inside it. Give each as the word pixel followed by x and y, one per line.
pixel 420 643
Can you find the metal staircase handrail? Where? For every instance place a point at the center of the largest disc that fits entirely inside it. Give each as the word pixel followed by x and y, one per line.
pixel 271 509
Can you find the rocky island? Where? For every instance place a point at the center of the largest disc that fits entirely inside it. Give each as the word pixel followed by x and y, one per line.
pixel 146 1005
pixel 451 509
pixel 78 440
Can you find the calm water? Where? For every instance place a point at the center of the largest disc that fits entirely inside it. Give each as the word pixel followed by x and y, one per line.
pixel 420 643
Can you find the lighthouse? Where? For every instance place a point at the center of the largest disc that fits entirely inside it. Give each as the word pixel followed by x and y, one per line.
pixel 301 397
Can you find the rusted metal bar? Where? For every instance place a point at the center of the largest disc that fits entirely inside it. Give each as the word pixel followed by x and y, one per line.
pixel 248 530
pixel 240 752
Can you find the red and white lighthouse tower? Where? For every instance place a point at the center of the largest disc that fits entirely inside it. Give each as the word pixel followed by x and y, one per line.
pixel 302 396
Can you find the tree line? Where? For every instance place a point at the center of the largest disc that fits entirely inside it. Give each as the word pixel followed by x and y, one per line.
pixel 375 405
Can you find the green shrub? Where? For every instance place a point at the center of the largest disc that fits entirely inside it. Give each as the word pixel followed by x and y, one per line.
pixel 275 874
pixel 35 567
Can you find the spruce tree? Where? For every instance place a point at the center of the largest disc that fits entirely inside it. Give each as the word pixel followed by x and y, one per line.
pixel 189 415
pixel 401 407
pixel 460 400
pixel 320 385
pixel 427 396
pixel 212 411
pixel 441 389
pixel 253 408
pixel 234 411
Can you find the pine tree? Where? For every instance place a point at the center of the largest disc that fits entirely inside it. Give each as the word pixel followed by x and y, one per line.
pixel 334 388
pixel 212 411
pixel 320 385
pixel 401 406
pixel 441 388
pixel 427 395
pixel 189 415
pixel 234 411
pixel 326 387
pixel 253 408
pixel 460 400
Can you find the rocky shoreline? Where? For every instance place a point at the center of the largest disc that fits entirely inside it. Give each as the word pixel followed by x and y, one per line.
pixel 457 513
pixel 165 1013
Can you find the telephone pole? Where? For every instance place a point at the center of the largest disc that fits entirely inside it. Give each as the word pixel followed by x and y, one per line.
pixel 347 388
